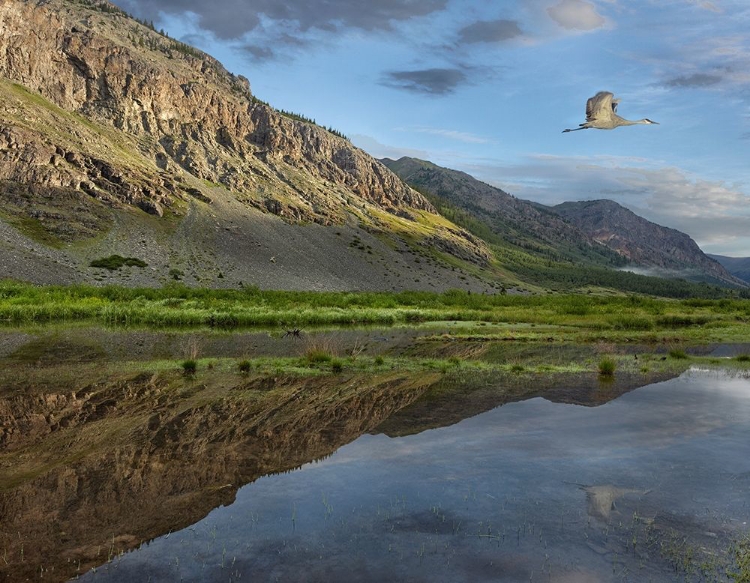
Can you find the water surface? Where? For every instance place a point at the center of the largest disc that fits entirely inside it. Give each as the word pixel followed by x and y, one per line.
pixel 652 486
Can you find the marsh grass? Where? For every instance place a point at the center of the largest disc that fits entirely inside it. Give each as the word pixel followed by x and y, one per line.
pixel 320 349
pixel 677 354
pixel 740 573
pixel 607 367
pixel 506 317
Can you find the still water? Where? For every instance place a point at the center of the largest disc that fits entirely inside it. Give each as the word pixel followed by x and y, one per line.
pixel 653 486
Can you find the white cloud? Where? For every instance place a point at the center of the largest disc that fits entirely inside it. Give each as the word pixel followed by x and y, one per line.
pixel 706 5
pixel 576 15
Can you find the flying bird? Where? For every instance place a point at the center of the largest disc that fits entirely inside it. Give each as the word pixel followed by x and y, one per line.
pixel 600 114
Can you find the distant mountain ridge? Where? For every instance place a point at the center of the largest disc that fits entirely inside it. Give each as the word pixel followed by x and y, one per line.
pixel 521 223
pixel 643 243
pixel 598 233
pixel 737 266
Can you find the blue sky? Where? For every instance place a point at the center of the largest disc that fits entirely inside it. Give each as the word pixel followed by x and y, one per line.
pixel 488 87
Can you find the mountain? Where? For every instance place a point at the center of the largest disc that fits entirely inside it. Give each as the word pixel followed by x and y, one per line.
pixel 737 266
pixel 116 139
pixel 573 244
pixel 520 223
pixel 660 250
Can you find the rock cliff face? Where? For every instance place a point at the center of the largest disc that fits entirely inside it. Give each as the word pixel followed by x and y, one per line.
pixel 183 107
pixel 642 242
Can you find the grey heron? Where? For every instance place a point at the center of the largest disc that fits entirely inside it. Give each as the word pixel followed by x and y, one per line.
pixel 600 114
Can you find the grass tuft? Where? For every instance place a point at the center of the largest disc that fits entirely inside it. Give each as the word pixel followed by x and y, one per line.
pixel 189 367
pixel 607 367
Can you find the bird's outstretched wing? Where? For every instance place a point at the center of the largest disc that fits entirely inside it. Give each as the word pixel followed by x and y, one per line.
pixel 601 106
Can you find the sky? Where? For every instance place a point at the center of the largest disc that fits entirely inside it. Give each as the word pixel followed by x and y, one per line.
pixel 487 88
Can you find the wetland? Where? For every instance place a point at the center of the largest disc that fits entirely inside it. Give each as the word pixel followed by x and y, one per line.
pixel 497 449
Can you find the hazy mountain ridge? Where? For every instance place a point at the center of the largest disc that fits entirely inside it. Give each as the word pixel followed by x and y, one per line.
pixel 100 115
pixel 737 266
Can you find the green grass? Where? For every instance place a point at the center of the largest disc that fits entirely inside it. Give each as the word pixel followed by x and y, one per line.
pixel 316 356
pixel 510 317
pixel 189 367
pixel 741 552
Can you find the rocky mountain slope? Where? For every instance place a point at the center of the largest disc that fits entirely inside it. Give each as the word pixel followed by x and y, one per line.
pixel 737 266
pixel 117 139
pixel 643 243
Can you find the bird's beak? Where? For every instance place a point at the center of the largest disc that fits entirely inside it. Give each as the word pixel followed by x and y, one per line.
pixel 653 122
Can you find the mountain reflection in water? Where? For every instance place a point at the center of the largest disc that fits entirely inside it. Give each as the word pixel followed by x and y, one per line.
pixel 649 487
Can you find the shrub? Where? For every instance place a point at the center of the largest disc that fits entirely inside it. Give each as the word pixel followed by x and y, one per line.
pixel 517 368
pixel 677 353
pixel 189 367
pixel 742 357
pixel 379 360
pixel 607 367
pixel 115 262
pixel 337 366
pixel 245 366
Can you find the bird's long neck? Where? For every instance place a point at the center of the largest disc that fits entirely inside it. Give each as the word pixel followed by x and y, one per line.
pixel 628 122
